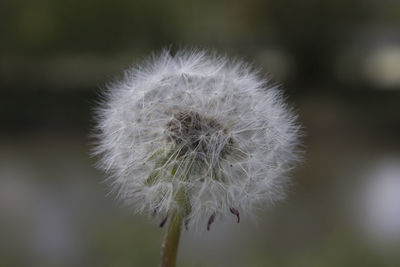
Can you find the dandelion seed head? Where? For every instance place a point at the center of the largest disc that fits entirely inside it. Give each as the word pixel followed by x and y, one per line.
pixel 196 133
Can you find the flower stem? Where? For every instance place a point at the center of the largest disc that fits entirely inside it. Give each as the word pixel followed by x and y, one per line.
pixel 171 241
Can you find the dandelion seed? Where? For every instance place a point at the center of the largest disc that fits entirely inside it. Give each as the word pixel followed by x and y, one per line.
pixel 235 212
pixel 210 221
pixel 164 221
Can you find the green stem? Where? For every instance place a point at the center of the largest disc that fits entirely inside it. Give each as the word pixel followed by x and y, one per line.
pixel 171 241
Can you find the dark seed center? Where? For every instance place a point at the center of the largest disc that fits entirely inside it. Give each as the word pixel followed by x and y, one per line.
pixel 192 132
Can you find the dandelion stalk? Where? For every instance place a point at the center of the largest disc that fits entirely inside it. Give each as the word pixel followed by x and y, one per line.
pixel 171 241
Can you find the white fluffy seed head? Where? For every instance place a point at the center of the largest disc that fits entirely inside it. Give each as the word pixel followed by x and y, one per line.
pixel 198 134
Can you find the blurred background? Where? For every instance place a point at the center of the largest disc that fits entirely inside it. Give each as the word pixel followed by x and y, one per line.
pixel 338 60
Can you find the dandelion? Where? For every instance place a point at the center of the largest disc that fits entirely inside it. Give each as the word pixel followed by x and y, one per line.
pixel 193 137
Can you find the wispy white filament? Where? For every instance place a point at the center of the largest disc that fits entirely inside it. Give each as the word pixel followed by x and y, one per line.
pixel 196 132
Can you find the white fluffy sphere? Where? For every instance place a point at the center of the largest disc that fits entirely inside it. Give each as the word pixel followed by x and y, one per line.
pixel 198 134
